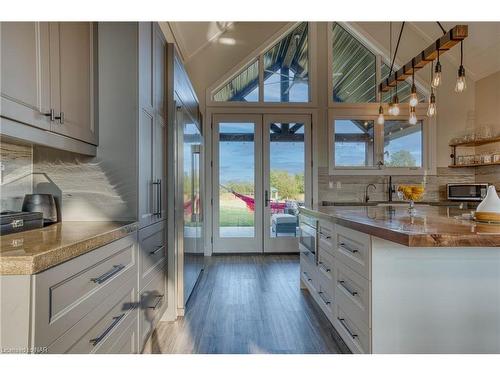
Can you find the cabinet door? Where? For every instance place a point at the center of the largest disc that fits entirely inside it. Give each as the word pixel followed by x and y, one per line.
pixel 160 50
pixel 160 156
pixel 148 194
pixel 72 90
pixel 25 89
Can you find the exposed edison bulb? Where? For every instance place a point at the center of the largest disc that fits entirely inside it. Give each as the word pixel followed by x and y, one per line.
pixel 436 80
pixel 432 109
pixel 413 97
pixel 461 84
pixel 395 105
pixel 380 118
pixel 413 116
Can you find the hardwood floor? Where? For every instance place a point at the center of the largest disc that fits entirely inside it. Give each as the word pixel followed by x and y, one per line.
pixel 248 304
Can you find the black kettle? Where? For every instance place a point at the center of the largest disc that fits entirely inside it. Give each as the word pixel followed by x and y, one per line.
pixel 44 203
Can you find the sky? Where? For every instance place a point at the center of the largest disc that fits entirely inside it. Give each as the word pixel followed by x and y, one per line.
pixel 237 158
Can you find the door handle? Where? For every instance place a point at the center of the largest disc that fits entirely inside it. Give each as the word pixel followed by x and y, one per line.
pixel 60 118
pixel 266 198
pixel 50 114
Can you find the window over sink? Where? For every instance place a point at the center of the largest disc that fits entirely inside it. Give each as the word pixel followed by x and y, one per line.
pixel 359 145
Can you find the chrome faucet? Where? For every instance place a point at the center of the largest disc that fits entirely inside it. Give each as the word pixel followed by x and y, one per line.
pixel 367 198
pixel 391 189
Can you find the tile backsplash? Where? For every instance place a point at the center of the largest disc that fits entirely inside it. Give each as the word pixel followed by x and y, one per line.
pixel 16 175
pixel 352 188
pixel 85 187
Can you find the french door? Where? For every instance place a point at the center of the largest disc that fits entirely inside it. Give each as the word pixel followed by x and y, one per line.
pixel 261 176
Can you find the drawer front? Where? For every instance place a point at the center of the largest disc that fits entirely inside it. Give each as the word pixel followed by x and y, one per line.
pixel 352 293
pixel 325 236
pixel 66 293
pixel 153 302
pixel 353 249
pixel 326 264
pixel 152 251
pixel 124 340
pixel 308 274
pixel 99 330
pixel 326 297
pixel 356 337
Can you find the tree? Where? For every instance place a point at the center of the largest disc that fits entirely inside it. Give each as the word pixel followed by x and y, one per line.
pixel 401 158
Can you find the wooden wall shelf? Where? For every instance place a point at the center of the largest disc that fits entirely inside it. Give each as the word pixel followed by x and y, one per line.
pixel 472 165
pixel 477 142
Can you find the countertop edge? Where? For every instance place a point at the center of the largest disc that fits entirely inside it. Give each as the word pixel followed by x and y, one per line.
pixel 30 265
pixel 417 240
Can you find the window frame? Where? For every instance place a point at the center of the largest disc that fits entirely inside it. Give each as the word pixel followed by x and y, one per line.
pixel 370 112
pixel 259 55
pixel 380 58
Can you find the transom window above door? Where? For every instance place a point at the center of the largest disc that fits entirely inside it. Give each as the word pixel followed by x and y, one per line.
pixel 279 75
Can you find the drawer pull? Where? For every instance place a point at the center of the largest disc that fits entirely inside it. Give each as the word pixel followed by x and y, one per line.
pixel 346 327
pixel 101 337
pixel 307 276
pixel 157 303
pixel 324 267
pixel 352 293
pixel 345 247
pixel 113 271
pixel 324 300
pixel 325 236
pixel 156 250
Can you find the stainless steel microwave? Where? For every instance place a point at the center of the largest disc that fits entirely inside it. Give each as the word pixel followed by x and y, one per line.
pixel 466 192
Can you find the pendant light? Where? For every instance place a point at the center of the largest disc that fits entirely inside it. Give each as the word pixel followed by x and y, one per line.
pixel 431 109
pixel 413 116
pixel 436 81
pixel 395 101
pixel 380 118
pixel 461 85
pixel 413 95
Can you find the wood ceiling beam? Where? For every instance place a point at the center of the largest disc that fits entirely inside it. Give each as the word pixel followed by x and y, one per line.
pixel 443 44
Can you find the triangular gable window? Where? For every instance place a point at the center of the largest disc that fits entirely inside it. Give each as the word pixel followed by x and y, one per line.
pixel 285 73
pixel 242 88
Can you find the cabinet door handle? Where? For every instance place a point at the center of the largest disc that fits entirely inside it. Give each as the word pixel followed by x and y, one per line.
pixel 60 118
pixel 325 236
pixel 344 246
pixel 351 292
pixel 113 271
pixel 153 252
pixel 51 114
pixel 157 303
pixel 159 199
pixel 346 327
pixel 156 189
pixel 116 320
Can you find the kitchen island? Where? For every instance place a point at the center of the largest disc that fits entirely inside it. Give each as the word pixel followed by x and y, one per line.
pixel 394 284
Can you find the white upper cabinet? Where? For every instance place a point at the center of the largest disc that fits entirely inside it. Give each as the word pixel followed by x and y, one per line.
pixel 25 73
pixel 72 89
pixel 47 72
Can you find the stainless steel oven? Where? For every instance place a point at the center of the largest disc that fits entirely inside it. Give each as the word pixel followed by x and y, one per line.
pixel 308 239
pixel 466 192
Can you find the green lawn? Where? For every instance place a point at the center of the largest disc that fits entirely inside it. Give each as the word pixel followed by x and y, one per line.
pixel 235 217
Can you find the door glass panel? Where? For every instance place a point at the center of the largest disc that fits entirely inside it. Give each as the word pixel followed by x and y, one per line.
pixel 286 177
pixel 354 145
pixel 402 144
pixel 236 179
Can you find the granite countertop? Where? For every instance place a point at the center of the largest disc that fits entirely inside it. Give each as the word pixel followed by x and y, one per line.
pixel 431 227
pixel 33 251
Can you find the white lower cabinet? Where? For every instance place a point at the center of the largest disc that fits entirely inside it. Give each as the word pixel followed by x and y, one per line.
pixel 337 277
pixel 108 300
